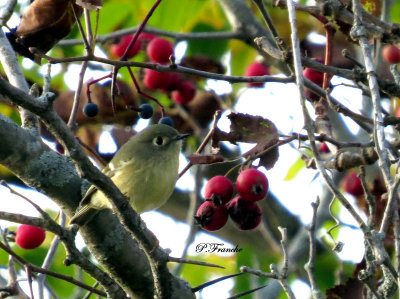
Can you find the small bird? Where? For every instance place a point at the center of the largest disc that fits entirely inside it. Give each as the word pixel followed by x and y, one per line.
pixel 145 169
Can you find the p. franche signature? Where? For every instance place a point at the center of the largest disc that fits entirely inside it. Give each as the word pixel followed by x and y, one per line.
pixel 216 247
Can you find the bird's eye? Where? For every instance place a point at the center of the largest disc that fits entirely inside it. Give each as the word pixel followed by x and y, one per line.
pixel 158 140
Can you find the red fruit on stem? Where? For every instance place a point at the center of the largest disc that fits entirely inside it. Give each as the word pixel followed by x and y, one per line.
pixel 252 184
pixel 323 147
pixel 29 237
pixel 246 214
pixel 219 190
pixel 256 69
pixel 185 93
pixel 352 184
pixel 154 80
pixel 210 217
pixel 160 49
pixel 391 54
pixel 119 48
pixel 314 76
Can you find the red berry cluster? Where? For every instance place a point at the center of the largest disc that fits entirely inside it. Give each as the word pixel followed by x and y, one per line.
pixel 159 50
pixel 251 186
pixel 29 237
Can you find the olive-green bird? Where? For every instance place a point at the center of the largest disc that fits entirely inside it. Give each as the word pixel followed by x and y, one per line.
pixel 145 169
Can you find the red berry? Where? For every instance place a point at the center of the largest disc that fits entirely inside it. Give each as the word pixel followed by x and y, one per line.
pixel 219 190
pixel 256 69
pixel 119 48
pixel 314 76
pixel 154 80
pixel 252 184
pixel 352 184
pixel 29 237
pixel 185 93
pixel 246 214
pixel 211 217
pixel 323 147
pixel 391 54
pixel 175 82
pixel 160 49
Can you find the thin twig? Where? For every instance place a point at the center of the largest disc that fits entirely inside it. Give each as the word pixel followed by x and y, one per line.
pixel 195 198
pixel 285 267
pixel 310 265
pixel 175 35
pixel 396 232
pixel 358 33
pixel 214 281
pixel 39 209
pixel 217 116
pixel 49 258
pixel 7 11
pixel 275 273
pixel 192 262
pixel 260 273
pixel 308 125
pixel 165 68
pixel 51 273
pixel 283 282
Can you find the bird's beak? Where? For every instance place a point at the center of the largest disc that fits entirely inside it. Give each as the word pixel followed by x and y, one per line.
pixel 182 136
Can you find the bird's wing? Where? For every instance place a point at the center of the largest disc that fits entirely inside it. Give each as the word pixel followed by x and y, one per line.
pixel 109 171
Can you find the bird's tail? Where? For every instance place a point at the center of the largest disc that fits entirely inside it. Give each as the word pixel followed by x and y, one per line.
pixel 84 215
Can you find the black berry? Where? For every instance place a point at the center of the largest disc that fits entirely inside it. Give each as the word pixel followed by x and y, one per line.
pixel 166 121
pixel 90 109
pixel 146 111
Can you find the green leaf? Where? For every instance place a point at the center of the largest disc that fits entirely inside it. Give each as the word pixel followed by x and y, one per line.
pixel 202 47
pixel 113 15
pixel 395 12
pixel 295 169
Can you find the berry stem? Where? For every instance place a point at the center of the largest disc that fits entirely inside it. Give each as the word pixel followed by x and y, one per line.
pixel 217 116
pixel 140 29
pixel 144 94
pixel 94 82
pixel 329 33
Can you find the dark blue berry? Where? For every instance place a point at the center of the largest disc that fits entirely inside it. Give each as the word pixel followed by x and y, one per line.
pixel 146 111
pixel 90 109
pixel 166 121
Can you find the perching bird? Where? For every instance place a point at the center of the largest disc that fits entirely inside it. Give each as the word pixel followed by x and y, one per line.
pixel 145 169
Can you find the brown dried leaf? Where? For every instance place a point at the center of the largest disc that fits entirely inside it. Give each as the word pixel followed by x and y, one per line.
pixel 44 23
pixel 122 135
pixel 100 94
pixel 202 63
pixel 205 159
pixel 352 289
pixel 253 129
